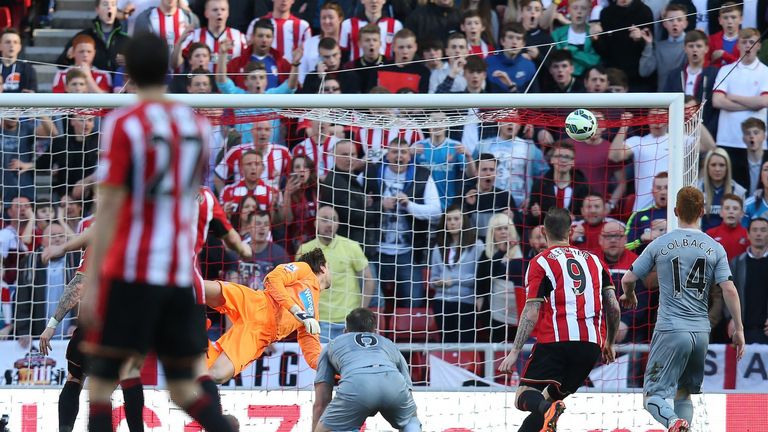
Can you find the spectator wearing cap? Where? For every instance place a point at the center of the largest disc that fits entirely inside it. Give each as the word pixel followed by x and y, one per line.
pixel 108 37
pixel 18 76
pixel 330 67
pixel 84 51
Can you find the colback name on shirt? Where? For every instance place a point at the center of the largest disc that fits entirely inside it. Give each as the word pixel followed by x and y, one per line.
pixel 685 243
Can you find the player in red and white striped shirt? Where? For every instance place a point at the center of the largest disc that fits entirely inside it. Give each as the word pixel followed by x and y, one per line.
pixel 318 145
pixel 217 13
pixel 374 141
pixel 290 31
pixel 569 291
pixel 141 297
pixel 167 20
pixel 276 158
pixel 373 13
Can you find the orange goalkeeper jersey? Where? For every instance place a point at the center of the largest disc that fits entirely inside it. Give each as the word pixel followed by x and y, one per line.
pixel 295 284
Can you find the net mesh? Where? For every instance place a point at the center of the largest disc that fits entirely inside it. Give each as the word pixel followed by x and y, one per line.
pixel 429 217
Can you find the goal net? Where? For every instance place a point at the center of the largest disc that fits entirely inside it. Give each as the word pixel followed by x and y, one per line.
pixel 428 209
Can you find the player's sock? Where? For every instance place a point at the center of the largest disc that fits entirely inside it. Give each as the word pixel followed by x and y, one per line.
pixel 532 423
pixel 69 405
pixel 684 409
pixel 533 401
pixel 660 409
pixel 205 412
pixel 211 389
pixel 133 393
pixel 100 417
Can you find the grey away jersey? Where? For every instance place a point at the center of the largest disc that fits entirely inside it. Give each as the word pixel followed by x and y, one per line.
pixel 687 262
pixel 353 354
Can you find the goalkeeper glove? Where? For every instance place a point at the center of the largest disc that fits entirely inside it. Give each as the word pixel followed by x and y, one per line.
pixel 310 324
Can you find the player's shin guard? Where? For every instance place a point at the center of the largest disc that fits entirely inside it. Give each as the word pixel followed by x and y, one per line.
pixel 205 412
pixel 133 393
pixel 660 409
pixel 69 405
pixel 684 409
pixel 211 389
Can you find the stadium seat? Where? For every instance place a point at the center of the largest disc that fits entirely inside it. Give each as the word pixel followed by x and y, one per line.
pixel 419 367
pixel 5 17
pixel 473 361
pixel 414 325
pixel 383 320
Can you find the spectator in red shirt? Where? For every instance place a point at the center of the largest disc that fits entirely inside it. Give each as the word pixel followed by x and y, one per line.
pixel 586 233
pixel 730 233
pixel 84 51
pixel 723 45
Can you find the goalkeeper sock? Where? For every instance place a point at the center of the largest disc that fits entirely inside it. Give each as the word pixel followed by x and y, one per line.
pixel 205 412
pixel 100 417
pixel 660 409
pixel 533 401
pixel 684 409
pixel 133 393
pixel 211 389
pixel 532 423
pixel 69 405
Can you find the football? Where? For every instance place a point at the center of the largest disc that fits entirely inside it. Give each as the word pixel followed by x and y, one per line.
pixel 581 124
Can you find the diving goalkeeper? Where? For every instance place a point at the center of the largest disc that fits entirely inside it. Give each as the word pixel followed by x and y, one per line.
pixel 288 303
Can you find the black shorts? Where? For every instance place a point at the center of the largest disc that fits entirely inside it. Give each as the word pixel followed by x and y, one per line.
pixel 139 318
pixel 75 356
pixel 565 365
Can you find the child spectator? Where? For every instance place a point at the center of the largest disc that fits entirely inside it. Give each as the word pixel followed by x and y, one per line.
pixel 742 92
pixel 746 172
pixel 216 31
pixel 373 13
pixel 84 51
pixel 694 78
pixel 723 45
pixel 456 49
pixel 478 35
pixel 716 182
pixel 669 53
pixel 290 31
pixel 369 40
pixel 108 35
pixel 18 76
pixel 402 72
pixel 511 61
pixel 199 58
pixel 487 13
pixel 730 233
pixel 575 37
pixel 331 16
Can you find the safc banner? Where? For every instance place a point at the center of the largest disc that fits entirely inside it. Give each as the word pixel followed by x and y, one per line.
pixel 285 368
pixel 35 410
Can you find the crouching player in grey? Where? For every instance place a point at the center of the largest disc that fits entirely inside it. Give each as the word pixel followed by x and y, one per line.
pixel 688 262
pixel 374 378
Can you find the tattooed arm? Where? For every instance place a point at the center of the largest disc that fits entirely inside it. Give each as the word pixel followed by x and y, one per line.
pixel 528 320
pixel 67 301
pixel 612 313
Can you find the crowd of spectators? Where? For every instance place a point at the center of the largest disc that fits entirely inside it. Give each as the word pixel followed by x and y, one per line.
pixel 442 220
